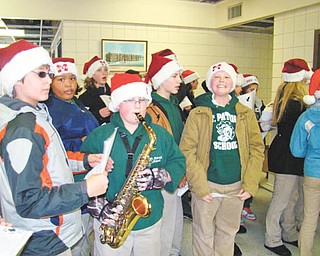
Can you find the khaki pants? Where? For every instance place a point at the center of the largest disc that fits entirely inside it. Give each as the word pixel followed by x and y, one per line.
pixel 171 224
pixel 285 210
pixel 311 190
pixel 65 253
pixel 215 224
pixel 82 247
pixel 138 243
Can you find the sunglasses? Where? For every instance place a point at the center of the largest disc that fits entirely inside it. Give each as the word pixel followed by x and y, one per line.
pixel 43 74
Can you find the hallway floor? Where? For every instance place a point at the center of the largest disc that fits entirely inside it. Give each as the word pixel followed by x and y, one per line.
pixel 252 242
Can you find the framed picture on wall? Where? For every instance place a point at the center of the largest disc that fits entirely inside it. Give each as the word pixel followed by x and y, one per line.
pixel 122 55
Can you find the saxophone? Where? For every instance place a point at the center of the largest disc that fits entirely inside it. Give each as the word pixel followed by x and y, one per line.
pixel 133 204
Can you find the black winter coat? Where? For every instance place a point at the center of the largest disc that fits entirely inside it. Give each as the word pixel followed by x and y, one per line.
pixel 91 99
pixel 280 159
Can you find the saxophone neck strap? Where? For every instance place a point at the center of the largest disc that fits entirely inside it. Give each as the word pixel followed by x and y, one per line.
pixel 130 150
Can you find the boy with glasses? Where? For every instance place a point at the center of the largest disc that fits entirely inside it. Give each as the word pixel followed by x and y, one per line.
pixel 37 189
pixel 131 96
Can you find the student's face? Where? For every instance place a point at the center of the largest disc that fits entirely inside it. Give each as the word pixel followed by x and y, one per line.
pixel 129 108
pixel 33 88
pixel 100 76
pixel 194 84
pixel 64 86
pixel 172 84
pixel 237 90
pixel 221 83
pixel 251 88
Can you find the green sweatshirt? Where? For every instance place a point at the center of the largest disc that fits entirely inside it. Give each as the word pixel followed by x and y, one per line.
pixel 166 155
pixel 225 166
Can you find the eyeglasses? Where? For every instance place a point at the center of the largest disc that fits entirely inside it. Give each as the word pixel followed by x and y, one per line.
pixel 134 101
pixel 43 74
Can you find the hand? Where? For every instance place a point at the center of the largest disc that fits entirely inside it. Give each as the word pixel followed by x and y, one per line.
pixel 96 205
pixel 187 108
pixel 105 112
pixel 97 184
pixel 110 214
pixel 154 178
pixel 207 198
pixel 94 159
pixel 243 195
pixel 4 223
pixel 109 166
pixel 183 182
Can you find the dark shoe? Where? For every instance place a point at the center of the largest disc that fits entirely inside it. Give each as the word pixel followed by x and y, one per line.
pixel 242 230
pixel 279 250
pixel 294 243
pixel 237 251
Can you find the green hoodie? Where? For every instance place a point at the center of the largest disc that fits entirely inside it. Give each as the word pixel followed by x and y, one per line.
pixel 166 155
pixel 225 166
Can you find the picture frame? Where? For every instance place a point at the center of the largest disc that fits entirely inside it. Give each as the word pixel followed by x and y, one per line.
pixel 123 55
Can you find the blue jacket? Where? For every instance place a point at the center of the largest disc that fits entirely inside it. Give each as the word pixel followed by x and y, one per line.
pixel 305 140
pixel 73 121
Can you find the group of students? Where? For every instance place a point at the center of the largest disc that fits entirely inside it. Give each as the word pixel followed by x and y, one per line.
pixel 50 139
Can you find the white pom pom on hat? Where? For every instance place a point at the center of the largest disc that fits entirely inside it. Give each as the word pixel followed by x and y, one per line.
pixel 314 89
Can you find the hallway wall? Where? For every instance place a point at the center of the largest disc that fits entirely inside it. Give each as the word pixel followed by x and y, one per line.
pixel 196 48
pixel 293 38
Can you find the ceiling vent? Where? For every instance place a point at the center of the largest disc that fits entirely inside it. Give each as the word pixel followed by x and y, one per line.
pixel 234 11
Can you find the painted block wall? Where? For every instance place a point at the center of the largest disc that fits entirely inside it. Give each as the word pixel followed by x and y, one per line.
pixel 196 49
pixel 293 38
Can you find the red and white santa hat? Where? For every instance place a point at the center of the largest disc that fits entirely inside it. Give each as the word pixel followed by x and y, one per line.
pixel 296 70
pixel 221 66
pixel 189 76
pixel 249 79
pixel 160 69
pixel 93 65
pixel 17 60
pixel 64 66
pixel 240 78
pixel 127 86
pixel 167 53
pixel 314 89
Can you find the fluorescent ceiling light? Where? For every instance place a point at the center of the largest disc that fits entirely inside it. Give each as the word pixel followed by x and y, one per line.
pixel 3 45
pixel 2 24
pixel 11 32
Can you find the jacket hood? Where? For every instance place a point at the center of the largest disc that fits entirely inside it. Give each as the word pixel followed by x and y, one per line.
pixel 205 100
pixel 10 108
pixel 313 113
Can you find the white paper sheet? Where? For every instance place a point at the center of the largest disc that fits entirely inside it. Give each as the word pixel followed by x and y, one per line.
pixel 107 146
pixel 222 195
pixel 12 240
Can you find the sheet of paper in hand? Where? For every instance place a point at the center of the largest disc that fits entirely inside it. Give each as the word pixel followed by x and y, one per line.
pixel 107 146
pixel 12 240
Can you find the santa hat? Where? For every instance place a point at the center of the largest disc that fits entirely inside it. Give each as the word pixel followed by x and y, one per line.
pixel 249 79
pixel 160 69
pixel 314 89
pixel 221 66
pixel 127 86
pixel 167 53
pixel 189 76
pixel 93 65
pixel 240 78
pixel 296 70
pixel 17 60
pixel 64 66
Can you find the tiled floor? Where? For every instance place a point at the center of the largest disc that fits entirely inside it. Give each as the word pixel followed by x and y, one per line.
pixel 251 243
